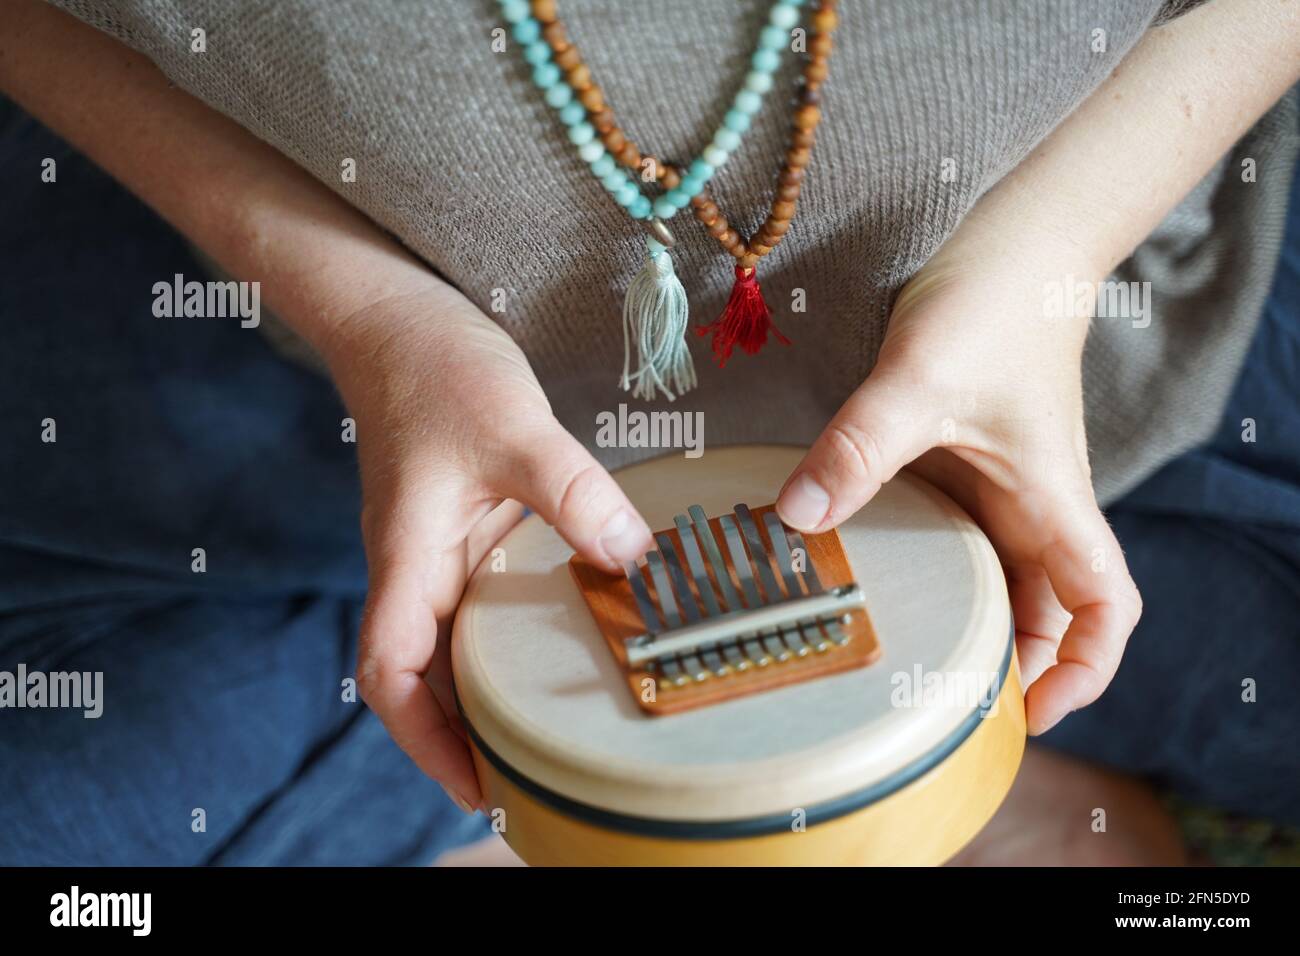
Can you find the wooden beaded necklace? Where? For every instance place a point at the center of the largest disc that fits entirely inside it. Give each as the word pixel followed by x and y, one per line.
pixel 655 312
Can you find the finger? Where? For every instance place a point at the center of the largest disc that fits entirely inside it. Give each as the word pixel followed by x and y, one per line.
pixel 1091 581
pixel 482 539
pixel 417 573
pixel 559 479
pixel 879 430
pixel 1040 619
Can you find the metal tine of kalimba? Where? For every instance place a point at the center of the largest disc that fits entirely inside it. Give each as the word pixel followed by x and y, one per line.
pixel 650 615
pixel 810 577
pixel 808 630
pixel 730 598
pixel 674 667
pixel 695 563
pixel 703 664
pixel 740 561
pixel 792 638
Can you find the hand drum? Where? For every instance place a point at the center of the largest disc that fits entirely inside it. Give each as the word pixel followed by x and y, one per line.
pixel 745 695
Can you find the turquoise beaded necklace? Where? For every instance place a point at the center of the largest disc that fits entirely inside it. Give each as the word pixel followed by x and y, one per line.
pixel 655 312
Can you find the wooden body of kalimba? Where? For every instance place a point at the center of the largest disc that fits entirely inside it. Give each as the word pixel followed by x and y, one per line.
pixel 898 762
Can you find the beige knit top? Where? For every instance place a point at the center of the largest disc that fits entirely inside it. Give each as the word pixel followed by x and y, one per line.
pixel 929 103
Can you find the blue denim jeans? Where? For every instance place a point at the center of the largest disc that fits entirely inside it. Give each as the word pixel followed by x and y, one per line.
pixel 1205 700
pixel 224 735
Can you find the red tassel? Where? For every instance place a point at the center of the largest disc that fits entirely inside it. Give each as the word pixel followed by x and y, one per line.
pixel 744 321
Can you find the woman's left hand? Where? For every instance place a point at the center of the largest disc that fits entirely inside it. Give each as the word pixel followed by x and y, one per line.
pixel 981 393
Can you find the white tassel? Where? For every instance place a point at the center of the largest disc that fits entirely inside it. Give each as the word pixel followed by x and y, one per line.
pixel 655 317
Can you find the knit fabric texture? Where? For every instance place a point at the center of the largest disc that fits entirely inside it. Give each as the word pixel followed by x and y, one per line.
pixel 928 105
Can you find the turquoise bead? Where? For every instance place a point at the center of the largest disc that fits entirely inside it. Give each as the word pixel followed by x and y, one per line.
pixel 527 31
pixel 603 166
pixel 573 114
pixel 785 15
pixel 747 101
pixel 773 38
pixel 691 186
pixel 766 60
pixel 701 170
pixel 537 53
pixel 559 95
pixel 665 208
pixel 726 139
pixel 614 181
pixel 627 194
pixel 641 207
pixel 677 197
pixel 758 82
pixel 514 10
pixel 736 120
pixel 581 133
pixel 714 156
pixel 592 150
pixel 546 75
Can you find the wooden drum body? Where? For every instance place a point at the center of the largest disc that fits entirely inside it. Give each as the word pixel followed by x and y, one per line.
pixel 901 762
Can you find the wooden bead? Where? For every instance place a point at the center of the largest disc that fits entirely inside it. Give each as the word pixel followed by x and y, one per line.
pixel 568 58
pixel 759 248
pixel 803 138
pixel 787 193
pixel 629 156
pixel 614 140
pixel 671 178
pixel 748 261
pixel 706 207
pixel 544 10
pixel 820 46
pixel 718 227
pixel 807 116
pixel 825 20
pixel 776 228
pixel 783 209
pixel 604 121
pixel 554 34
pixel 816 72
pixel 791 176
pixel 810 95
pixel 798 157
pixel 728 238
pixel 579 77
pixel 592 98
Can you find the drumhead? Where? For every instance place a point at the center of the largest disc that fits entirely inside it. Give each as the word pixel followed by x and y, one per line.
pixel 542 694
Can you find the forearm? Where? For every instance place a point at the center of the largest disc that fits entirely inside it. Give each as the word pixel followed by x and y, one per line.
pixel 1107 176
pixel 256 213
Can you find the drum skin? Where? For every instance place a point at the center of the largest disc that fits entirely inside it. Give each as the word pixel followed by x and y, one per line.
pixel 833 771
pixel 924 823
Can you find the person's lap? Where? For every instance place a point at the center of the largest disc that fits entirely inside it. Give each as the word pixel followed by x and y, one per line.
pixel 1213 542
pixel 223 688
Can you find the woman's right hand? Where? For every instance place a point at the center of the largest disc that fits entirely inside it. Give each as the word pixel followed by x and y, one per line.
pixel 453 432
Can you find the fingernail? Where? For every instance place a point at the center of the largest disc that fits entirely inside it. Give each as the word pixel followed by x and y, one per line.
pixel 625 538
pixel 457 799
pixel 804 504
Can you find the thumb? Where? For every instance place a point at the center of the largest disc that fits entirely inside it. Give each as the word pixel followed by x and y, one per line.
pixel 881 428
pixel 559 479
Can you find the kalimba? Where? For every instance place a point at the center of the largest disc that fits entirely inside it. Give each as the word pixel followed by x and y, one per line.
pixel 745 694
